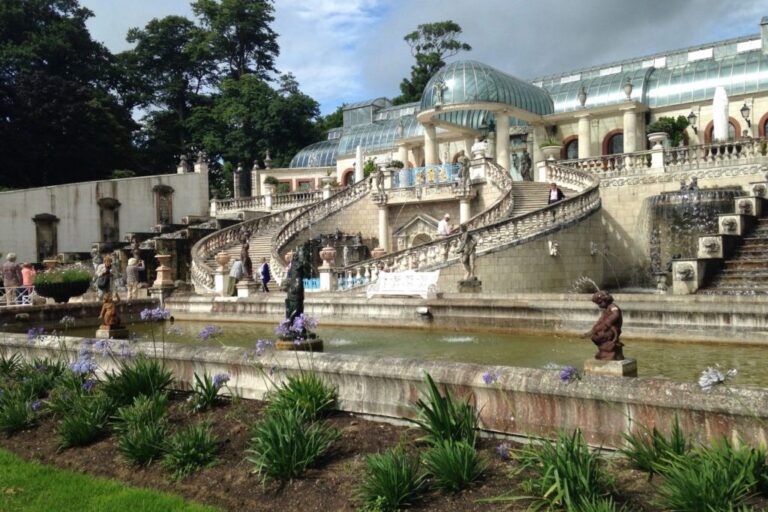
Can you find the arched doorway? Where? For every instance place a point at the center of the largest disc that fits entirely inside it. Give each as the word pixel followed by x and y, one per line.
pixel 348 176
pixel 733 130
pixel 570 150
pixel 613 143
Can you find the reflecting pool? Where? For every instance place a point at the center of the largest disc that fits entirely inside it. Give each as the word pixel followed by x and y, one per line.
pixel 674 360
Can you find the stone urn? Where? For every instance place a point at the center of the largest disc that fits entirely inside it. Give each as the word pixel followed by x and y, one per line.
pixel 222 258
pixel 328 255
pixel 657 139
pixel 271 189
pixel 550 152
pixel 163 271
pixel 378 252
pixel 326 181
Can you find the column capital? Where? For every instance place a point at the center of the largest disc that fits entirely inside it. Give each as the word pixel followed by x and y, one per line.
pixel 582 115
pixel 628 107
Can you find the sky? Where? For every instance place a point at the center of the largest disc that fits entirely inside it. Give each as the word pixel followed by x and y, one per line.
pixel 342 51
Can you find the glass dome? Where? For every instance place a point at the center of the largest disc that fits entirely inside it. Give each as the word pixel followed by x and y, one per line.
pixel 319 154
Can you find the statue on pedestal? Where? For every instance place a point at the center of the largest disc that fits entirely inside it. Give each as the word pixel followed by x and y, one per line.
pixel 467 248
pixel 607 330
pixel 463 162
pixel 380 181
pixel 294 283
pixel 525 166
pixel 245 258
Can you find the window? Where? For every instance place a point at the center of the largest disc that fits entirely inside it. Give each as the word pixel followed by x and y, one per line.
pixel 732 131
pixel 571 150
pixel 615 144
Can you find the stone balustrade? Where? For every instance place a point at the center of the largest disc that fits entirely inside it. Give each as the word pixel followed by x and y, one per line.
pixel 260 203
pixel 503 205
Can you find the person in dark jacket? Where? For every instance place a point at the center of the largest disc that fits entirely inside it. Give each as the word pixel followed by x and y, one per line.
pixel 555 194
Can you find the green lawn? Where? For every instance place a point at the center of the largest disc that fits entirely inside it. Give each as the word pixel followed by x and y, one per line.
pixel 26 486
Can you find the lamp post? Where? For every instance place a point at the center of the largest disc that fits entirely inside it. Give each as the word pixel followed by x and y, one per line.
pixel 692 122
pixel 745 114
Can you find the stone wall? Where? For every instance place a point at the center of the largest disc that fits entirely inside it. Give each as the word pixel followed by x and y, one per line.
pixel 76 207
pixel 522 401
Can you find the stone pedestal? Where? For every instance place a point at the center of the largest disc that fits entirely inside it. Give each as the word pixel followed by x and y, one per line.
pixel 247 288
pixel 220 282
pixel 473 285
pixel 164 278
pixel 116 332
pixel 310 345
pixel 161 293
pixel 624 368
pixel 327 279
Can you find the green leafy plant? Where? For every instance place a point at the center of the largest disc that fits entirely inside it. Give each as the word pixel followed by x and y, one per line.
pixel 391 481
pixel 271 180
pixel 144 409
pixel 41 375
pixel 369 167
pixel 17 409
pixel 549 141
pixel 763 147
pixel 396 164
pixel 141 376
pixel 564 472
pixel 56 276
pixel 646 449
pixel 86 421
pixel 205 391
pixel 709 479
pixel 69 387
pixel 283 444
pixel 190 450
pixel 673 127
pixel 598 505
pixel 454 464
pixel 443 418
pixel 9 365
pixel 305 392
pixel 142 428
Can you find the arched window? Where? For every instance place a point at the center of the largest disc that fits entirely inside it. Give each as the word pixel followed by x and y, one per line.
pixel 762 126
pixel 613 143
pixel 732 131
pixel 571 149
pixel 348 177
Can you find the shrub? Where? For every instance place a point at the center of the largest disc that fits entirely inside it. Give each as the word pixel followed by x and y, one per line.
pixel 647 449
pixel 142 429
pixel 271 180
pixel 41 376
pixel 564 472
pixel 306 393
pixel 190 449
pixel 70 275
pixel 10 365
pixel 205 391
pixel 391 480
pixel 68 389
pixel 143 410
pixel 17 409
pixel 715 478
pixel 86 421
pixel 597 505
pixel 443 418
pixel 284 444
pixel 140 377
pixel 454 464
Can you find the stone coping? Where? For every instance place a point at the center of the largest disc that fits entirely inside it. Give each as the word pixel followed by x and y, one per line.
pixel 520 401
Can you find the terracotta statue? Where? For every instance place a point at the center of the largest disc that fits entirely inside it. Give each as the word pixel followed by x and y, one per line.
pixel 606 331
pixel 109 314
pixel 467 248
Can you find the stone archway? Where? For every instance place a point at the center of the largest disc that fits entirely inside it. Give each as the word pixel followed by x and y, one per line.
pixel 46 236
pixel 420 239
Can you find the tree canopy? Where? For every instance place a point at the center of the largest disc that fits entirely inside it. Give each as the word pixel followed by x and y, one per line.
pixel 431 44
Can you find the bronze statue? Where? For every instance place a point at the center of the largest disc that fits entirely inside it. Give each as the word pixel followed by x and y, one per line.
pixel 293 283
pixel 380 181
pixel 467 248
pixel 606 331
pixel 109 315
pixel 245 258
pixel 525 166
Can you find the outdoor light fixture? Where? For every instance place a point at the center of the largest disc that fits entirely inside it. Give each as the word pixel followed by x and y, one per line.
pixel 582 96
pixel 692 122
pixel 745 114
pixel 627 88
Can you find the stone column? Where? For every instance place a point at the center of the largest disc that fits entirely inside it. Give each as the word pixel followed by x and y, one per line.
pixel 237 179
pixel 430 145
pixel 383 227
pixel 585 139
pixel 465 213
pixel 630 129
pixel 502 140
pixel 720 115
pixel 539 134
pixel 402 154
pixel 255 180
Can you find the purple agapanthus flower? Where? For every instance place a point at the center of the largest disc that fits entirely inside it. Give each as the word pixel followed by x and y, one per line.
pixel 103 346
pixel 155 314
pixel 85 348
pixel 569 374
pixel 35 332
pixel 490 377
pixel 298 328
pixel 36 405
pixel 209 332
pixel 220 379
pixel 84 365
pixel 261 346
pixel 125 351
pixel 503 451
pixel 67 321
pixel 283 329
pixel 88 384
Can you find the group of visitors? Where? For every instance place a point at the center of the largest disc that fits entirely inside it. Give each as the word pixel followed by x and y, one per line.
pixel 238 271
pixel 18 280
pixel 133 276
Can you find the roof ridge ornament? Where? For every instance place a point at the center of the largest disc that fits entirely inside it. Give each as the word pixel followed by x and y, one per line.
pixel 582 96
pixel 628 88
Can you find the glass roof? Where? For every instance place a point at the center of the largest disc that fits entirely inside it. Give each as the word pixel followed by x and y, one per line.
pixel 319 154
pixel 604 90
pixel 469 81
pixel 381 135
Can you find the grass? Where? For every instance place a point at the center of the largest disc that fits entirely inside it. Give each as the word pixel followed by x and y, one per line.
pixel 32 487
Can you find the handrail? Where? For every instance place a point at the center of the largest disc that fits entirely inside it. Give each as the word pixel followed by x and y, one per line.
pixel 260 202
pixel 503 205
pixel 311 215
pixel 497 235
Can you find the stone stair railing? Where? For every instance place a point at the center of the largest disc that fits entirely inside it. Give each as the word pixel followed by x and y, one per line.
pixel 209 246
pixel 494 236
pixel 503 205
pixel 263 203
pixel 703 156
pixel 311 215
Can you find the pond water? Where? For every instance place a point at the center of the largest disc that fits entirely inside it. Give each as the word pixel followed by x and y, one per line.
pixel 674 360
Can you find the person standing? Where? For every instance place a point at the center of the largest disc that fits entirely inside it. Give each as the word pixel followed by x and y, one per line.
pixel 235 274
pixel 264 273
pixel 104 276
pixel 28 274
pixel 12 278
pixel 555 194
pixel 443 227
pixel 132 277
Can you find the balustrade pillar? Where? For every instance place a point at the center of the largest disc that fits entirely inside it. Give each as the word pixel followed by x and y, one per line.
pixel 630 129
pixel 384 228
pixel 502 140
pixel 465 212
pixel 585 142
pixel 430 145
pixel 255 180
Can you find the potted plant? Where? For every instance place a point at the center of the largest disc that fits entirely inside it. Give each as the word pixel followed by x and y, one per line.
pixel 61 284
pixel 271 183
pixel 550 147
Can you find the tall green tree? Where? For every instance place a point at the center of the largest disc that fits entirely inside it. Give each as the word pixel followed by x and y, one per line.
pixel 431 44
pixel 240 35
pixel 59 121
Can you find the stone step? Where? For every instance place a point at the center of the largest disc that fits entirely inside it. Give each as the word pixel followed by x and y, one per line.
pixel 734 291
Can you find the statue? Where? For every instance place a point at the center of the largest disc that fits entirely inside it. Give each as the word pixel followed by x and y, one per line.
pixel 293 284
pixel 463 162
pixel 245 258
pixel 467 248
pixel 345 255
pixel 525 166
pixel 516 162
pixel 109 314
pixel 380 181
pixel 439 88
pixel 606 331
